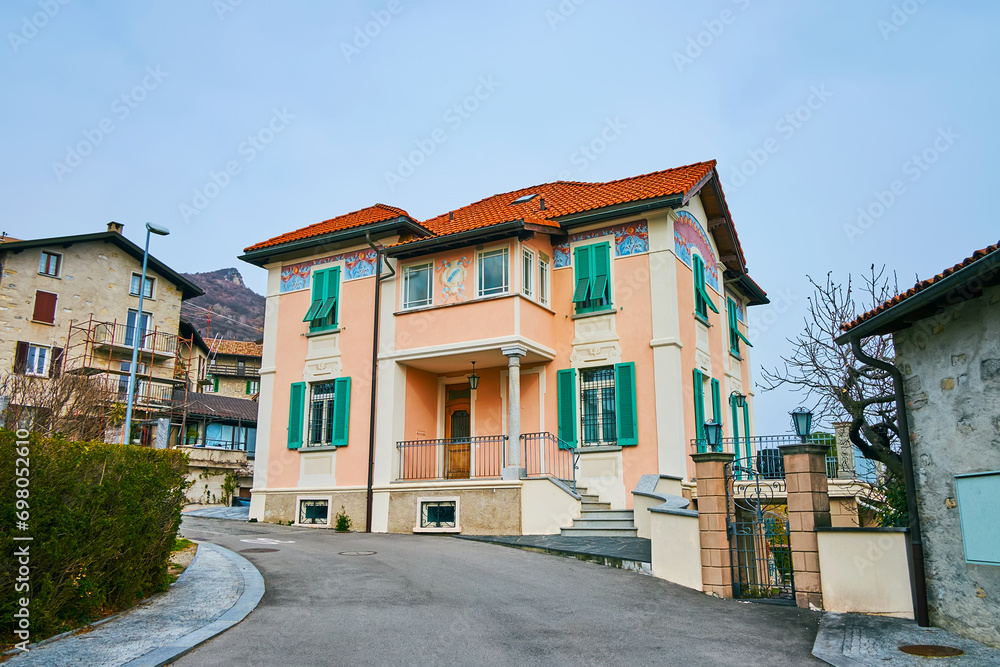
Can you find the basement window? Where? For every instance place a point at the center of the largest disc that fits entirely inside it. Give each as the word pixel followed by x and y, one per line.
pixel 314 512
pixel 437 515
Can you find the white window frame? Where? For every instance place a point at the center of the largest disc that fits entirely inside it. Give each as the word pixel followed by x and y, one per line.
pixel 481 256
pixel 46 362
pixel 59 261
pixel 528 272
pixel 544 276
pixel 407 271
pixel 419 528
pixel 151 281
pixel 329 511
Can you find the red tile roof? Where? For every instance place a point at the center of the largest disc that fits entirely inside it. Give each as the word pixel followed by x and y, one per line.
pixel 561 198
pixel 921 286
pixel 237 347
pixel 564 198
pixel 366 216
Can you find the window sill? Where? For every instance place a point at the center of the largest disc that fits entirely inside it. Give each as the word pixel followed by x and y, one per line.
pixel 49 275
pixel 701 318
pixel 595 313
pixel 598 449
pixel 481 299
pixel 317 448
pixel 736 356
pixel 322 332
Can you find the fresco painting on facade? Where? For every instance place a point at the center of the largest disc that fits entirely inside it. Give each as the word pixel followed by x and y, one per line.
pixel 630 239
pixel 689 234
pixel 359 264
pixel 453 275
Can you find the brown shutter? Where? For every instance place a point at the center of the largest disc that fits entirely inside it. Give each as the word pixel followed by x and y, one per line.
pixel 21 357
pixel 45 307
pixel 55 366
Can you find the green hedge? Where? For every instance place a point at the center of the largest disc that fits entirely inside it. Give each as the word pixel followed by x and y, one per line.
pixel 102 518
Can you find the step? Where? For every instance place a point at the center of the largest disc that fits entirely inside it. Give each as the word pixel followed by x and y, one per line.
pixel 595 532
pixel 621 515
pixel 595 507
pixel 589 498
pixel 604 524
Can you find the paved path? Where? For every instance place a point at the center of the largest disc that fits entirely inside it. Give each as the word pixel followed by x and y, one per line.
pixel 216 591
pixel 231 513
pixel 635 550
pixel 435 600
pixel 850 640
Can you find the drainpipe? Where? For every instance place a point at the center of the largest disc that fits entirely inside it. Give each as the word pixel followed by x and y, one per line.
pixel 371 424
pixel 918 582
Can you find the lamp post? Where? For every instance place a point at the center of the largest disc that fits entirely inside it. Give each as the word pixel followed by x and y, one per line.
pixel 713 436
pixel 802 421
pixel 738 399
pixel 127 432
pixel 473 378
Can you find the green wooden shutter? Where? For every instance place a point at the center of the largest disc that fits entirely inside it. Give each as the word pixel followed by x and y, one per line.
pixel 318 291
pixel 247 391
pixel 734 340
pixel 332 295
pixel 736 426
pixel 566 408
pixel 625 413
pixel 215 385
pixel 295 408
pixel 716 402
pixel 699 405
pixel 582 267
pixel 601 271
pixel 746 428
pixel 341 410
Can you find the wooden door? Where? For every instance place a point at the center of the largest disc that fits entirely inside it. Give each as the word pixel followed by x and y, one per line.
pixel 457 429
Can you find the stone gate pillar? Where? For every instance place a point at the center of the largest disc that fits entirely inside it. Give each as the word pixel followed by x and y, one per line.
pixel 808 508
pixel 713 516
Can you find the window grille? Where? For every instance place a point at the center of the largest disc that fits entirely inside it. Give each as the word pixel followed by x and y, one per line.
pixel 597 406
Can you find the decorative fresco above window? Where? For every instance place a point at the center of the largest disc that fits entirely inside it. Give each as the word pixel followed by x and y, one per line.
pixel 358 264
pixel 452 277
pixel 688 234
pixel 630 239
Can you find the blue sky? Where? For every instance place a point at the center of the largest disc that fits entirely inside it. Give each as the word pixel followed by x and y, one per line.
pixel 231 121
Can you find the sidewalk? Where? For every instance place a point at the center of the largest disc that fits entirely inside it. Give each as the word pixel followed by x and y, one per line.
pixel 852 640
pixel 217 591
pixel 220 512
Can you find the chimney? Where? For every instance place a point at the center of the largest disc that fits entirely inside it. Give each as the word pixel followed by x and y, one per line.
pixel 115 227
pixel 542 204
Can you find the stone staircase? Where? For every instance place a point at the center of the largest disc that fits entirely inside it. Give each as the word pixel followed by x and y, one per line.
pixel 597 519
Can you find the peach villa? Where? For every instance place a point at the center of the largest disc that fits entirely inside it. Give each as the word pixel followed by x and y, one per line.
pixel 538 352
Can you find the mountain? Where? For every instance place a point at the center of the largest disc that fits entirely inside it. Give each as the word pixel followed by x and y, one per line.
pixel 237 312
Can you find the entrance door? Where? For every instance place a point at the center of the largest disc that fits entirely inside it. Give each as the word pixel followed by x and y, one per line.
pixel 457 430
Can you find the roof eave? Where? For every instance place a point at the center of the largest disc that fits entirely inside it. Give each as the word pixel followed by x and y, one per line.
pixel 620 210
pixel 262 256
pixel 886 321
pixel 456 239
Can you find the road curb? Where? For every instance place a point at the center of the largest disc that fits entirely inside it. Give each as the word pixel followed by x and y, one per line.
pixel 250 596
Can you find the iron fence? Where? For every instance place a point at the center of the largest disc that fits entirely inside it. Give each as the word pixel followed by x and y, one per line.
pixel 478 457
pixel 545 455
pixel 764 451
pixel 123 335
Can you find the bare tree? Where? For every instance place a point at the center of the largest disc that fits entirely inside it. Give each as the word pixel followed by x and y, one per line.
pixel 841 387
pixel 76 406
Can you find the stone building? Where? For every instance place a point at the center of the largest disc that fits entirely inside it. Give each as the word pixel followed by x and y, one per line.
pixel 233 368
pixel 946 332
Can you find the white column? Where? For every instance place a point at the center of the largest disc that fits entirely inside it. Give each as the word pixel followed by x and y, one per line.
pixel 514 469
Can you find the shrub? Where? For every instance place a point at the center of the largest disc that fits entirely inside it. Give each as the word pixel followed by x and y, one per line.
pixel 343 522
pixel 103 518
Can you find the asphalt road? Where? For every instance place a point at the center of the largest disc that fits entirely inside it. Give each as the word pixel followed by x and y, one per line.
pixel 435 600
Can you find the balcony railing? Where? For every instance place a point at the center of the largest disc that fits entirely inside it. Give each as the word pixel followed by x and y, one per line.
pixel 545 455
pixel 214 443
pixel 123 335
pixel 763 451
pixel 479 457
pixel 233 370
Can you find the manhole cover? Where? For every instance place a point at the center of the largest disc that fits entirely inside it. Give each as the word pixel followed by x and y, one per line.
pixel 357 553
pixel 258 551
pixel 932 651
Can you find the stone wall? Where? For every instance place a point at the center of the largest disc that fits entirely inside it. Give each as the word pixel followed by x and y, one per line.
pixel 485 511
pixel 951 368
pixel 281 507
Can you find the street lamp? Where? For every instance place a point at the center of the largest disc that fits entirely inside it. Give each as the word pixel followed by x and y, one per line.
pixel 473 378
pixel 740 400
pixel 802 421
pixel 159 230
pixel 713 436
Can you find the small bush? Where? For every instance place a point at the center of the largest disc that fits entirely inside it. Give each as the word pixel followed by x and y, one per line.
pixel 103 518
pixel 343 522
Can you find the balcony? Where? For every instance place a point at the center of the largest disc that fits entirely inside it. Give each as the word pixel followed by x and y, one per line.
pixel 121 337
pixel 484 457
pixel 239 370
pixel 149 392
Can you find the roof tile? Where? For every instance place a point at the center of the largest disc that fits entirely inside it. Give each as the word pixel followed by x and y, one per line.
pixel 366 216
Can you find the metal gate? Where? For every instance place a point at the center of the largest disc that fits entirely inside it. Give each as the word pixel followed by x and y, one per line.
pixel 759 548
